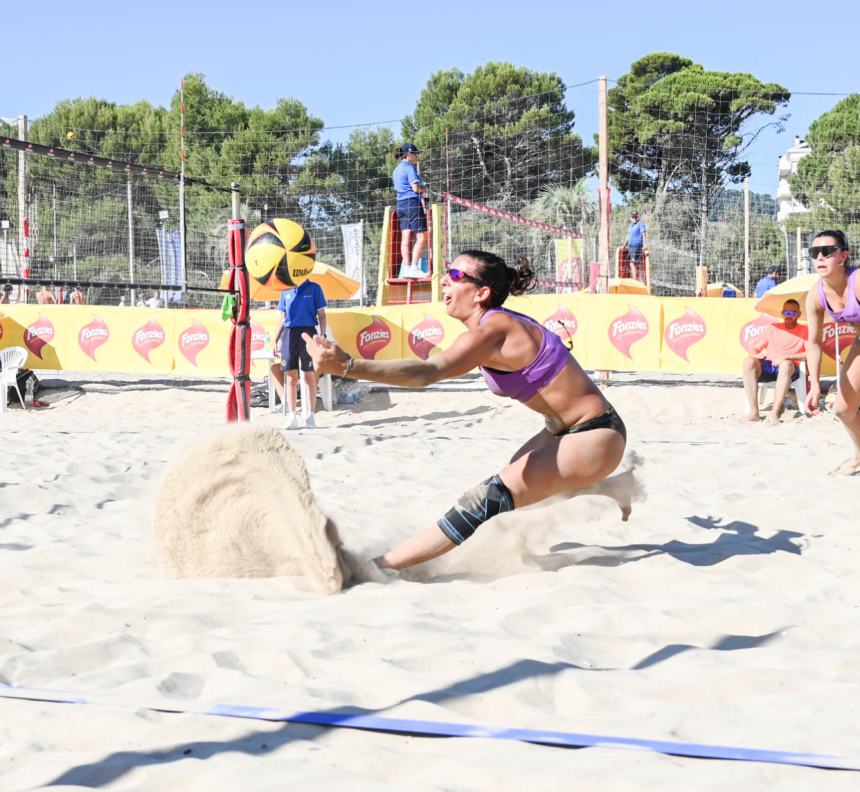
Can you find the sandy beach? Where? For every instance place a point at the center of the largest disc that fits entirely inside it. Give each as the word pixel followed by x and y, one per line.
pixel 725 612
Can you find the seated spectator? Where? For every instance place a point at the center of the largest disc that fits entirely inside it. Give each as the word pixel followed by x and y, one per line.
pixel 155 301
pixel 776 356
pixel 6 296
pixel 768 281
pixel 45 296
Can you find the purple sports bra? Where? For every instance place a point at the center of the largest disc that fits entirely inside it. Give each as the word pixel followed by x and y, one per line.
pixel 851 312
pixel 552 357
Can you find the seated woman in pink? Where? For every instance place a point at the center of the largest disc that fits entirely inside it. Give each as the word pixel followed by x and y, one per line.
pixel 838 294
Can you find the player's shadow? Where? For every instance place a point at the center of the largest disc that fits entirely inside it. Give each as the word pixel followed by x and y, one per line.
pixel 735 539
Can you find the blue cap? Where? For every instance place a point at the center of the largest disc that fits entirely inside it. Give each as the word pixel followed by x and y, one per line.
pixel 409 148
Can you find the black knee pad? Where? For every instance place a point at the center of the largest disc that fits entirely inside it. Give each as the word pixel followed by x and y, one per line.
pixel 474 507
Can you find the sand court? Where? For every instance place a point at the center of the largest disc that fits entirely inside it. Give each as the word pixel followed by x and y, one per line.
pixel 723 612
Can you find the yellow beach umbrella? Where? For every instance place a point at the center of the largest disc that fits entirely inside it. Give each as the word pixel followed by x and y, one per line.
pixel 793 289
pixel 627 286
pixel 335 283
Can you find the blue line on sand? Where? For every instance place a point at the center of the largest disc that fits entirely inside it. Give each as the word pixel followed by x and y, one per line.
pixel 443 729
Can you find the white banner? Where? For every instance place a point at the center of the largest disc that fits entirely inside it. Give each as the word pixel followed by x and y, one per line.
pixel 353 253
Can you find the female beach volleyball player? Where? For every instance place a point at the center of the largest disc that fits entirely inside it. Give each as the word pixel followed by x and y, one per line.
pixel 583 438
pixel 838 293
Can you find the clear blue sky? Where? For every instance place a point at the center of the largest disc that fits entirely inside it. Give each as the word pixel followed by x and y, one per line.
pixel 359 62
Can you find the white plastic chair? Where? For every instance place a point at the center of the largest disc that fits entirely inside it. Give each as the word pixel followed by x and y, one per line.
pixel 11 360
pixel 798 386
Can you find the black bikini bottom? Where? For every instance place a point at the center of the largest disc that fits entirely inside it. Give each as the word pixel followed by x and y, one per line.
pixel 609 420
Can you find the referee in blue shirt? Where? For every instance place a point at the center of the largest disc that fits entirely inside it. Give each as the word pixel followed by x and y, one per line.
pixel 409 188
pixel 302 309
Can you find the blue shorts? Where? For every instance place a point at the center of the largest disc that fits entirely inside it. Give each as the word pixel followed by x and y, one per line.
pixel 294 351
pixel 634 253
pixel 412 215
pixel 769 370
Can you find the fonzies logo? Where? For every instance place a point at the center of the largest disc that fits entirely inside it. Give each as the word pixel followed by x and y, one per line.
pixel 258 337
pixel 627 330
pixel 373 338
pixel 683 332
pixel 752 332
pixel 425 336
pixel 193 340
pixel 38 335
pixel 847 334
pixel 92 336
pixel 147 338
pixel 562 323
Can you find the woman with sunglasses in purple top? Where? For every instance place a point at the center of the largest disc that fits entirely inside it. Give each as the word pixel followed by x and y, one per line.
pixel 837 293
pixel 583 438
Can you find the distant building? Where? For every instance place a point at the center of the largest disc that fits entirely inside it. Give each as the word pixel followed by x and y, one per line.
pixel 787 168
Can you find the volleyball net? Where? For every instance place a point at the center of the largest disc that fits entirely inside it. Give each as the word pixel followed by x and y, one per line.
pixel 554 252
pixel 528 151
pixel 109 227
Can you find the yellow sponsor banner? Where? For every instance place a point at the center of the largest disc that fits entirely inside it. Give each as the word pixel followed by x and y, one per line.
pixel 701 334
pixel 371 333
pixel 91 338
pixel 605 331
pixel 624 332
pixel 142 340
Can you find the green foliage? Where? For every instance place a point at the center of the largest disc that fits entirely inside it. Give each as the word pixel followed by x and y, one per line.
pixel 133 133
pixel 496 135
pixel 269 152
pixel 563 206
pixel 729 203
pixel 675 127
pixel 828 178
pixel 364 165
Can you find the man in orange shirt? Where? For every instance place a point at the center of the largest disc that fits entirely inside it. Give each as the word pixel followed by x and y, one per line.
pixel 776 356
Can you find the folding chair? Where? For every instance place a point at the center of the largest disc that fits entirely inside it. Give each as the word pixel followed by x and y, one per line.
pixel 11 360
pixel 798 386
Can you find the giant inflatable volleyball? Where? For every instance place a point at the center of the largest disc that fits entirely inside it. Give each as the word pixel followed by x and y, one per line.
pixel 280 254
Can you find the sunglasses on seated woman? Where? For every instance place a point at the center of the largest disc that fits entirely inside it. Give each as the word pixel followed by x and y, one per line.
pixel 458 275
pixel 826 250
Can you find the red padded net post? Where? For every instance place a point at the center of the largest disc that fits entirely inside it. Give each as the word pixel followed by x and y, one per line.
pixel 239 398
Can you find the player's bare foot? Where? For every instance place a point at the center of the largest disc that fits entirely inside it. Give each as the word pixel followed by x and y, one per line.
pixel 850 467
pixel 750 417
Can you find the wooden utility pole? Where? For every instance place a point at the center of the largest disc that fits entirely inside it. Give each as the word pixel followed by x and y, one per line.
pixel 747 236
pixel 603 175
pixel 130 213
pixel 603 202
pixel 23 213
